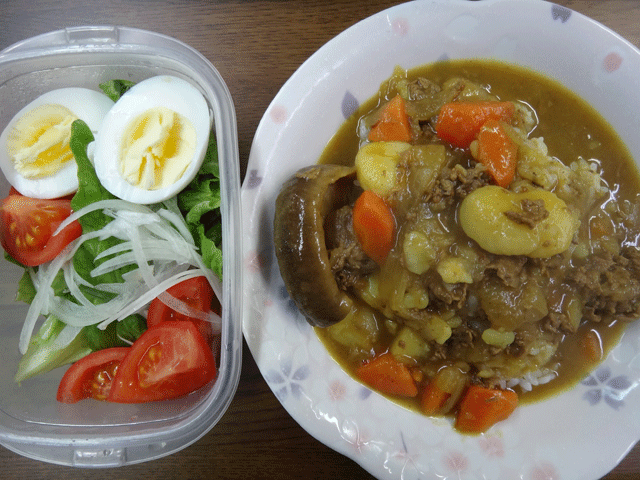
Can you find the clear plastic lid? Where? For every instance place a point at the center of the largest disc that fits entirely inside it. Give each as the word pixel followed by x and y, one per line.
pixel 91 433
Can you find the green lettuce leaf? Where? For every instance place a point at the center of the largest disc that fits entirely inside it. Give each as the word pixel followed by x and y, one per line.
pixel 43 354
pixel 200 203
pixel 114 89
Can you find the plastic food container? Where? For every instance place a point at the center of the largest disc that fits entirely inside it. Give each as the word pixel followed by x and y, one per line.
pixel 100 434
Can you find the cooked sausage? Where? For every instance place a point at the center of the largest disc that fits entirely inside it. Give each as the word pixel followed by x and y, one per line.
pixel 302 205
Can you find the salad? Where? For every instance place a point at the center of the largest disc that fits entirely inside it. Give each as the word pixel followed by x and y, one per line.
pixel 124 273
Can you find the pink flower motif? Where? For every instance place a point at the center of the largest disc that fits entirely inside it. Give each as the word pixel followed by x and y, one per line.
pixel 544 472
pixel 278 114
pixel 611 62
pixel 456 461
pixel 492 446
pixel 407 459
pixel 337 390
pixel 358 439
pixel 400 26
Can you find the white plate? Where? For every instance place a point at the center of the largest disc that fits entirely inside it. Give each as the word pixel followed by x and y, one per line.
pixel 581 434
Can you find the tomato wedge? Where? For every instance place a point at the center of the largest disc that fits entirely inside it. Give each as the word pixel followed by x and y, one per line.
pixel 27 226
pixel 168 361
pixel 197 294
pixel 91 376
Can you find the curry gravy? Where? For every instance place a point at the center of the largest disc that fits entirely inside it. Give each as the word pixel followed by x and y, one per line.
pixel 571 129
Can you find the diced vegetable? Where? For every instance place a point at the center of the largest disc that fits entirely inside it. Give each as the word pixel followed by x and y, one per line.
pixel 388 375
pixel 117 334
pixel 54 345
pixel 130 329
pixel 433 399
pixel 91 376
pixel 459 122
pixel 168 361
pixel 374 225
pixel 448 386
pixel 27 227
pixel 91 285
pixel 498 152
pixel 436 329
pixel 591 346
pixel 377 164
pixel 393 124
pixel 200 203
pixel 498 338
pixel 483 407
pixel 190 300
pixel 425 164
pixel 358 331
pixel 487 216
pixel 114 89
pixel 408 346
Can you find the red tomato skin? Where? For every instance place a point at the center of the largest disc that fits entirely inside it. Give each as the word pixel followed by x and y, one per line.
pixel 168 361
pixel 25 217
pixel 79 381
pixel 195 292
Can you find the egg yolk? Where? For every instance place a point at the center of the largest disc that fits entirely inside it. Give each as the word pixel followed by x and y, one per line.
pixel 157 148
pixel 38 143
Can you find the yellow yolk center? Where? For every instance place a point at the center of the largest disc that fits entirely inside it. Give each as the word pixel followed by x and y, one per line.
pixel 157 148
pixel 38 143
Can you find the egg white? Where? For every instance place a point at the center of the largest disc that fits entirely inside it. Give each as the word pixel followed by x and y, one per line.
pixel 88 105
pixel 162 91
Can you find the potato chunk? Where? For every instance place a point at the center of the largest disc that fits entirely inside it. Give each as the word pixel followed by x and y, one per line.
pixel 490 216
pixel 376 165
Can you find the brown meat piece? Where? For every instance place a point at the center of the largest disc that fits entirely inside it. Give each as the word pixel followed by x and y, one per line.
pixel 448 294
pixel 611 285
pixel 509 269
pixel 457 182
pixel 533 211
pixel 557 322
pixel 348 261
pixel 422 88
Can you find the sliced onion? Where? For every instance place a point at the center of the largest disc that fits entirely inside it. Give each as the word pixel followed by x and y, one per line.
pixel 159 243
pixel 43 294
pixel 149 295
pixel 186 309
pixel 106 206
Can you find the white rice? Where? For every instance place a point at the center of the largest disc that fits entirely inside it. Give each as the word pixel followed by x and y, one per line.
pixel 529 379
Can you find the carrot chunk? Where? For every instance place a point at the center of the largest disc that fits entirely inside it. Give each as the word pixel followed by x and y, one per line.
pixel 459 122
pixel 483 407
pixel 498 152
pixel 388 375
pixel 591 346
pixel 393 124
pixel 374 225
pixel 433 399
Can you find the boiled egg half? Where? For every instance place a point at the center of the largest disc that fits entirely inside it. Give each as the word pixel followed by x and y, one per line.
pixel 35 156
pixel 153 141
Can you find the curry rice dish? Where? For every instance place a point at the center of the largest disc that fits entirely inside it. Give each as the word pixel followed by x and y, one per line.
pixel 470 239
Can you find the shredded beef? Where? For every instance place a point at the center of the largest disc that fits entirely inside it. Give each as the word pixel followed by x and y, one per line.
pixel 448 294
pixel 516 348
pixel 462 336
pixel 457 182
pixel 558 322
pixel 422 88
pixel 348 261
pixel 509 269
pixel 533 211
pixel 611 285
